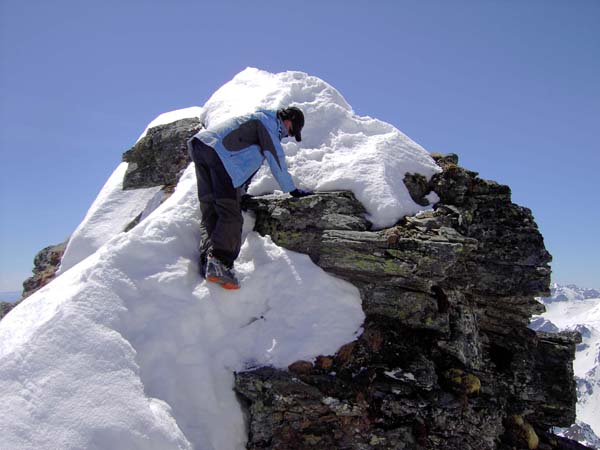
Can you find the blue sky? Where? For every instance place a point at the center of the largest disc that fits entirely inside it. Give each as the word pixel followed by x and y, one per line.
pixel 511 86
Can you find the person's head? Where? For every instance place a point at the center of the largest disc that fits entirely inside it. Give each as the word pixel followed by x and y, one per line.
pixel 293 119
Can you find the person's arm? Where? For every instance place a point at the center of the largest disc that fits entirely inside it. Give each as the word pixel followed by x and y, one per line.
pixel 273 152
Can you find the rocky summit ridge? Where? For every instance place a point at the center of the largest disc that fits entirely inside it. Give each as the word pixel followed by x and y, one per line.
pixel 445 360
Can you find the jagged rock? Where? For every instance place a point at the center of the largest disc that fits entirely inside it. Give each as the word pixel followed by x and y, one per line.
pixel 444 161
pixel 287 413
pixel 160 157
pixel 5 308
pixel 446 357
pixel 45 263
pixel 418 187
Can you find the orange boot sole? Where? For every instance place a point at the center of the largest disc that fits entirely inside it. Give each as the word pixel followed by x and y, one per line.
pixel 224 285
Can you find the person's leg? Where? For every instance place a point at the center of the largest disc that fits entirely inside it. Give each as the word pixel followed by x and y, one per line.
pixel 208 218
pixel 226 235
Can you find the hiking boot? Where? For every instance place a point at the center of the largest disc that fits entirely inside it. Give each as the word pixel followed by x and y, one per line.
pixel 217 272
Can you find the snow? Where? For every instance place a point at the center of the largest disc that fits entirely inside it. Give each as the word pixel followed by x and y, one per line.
pixel 129 349
pixel 339 150
pixel 108 216
pixel 569 310
pixel 569 315
pixel 115 208
pixel 580 432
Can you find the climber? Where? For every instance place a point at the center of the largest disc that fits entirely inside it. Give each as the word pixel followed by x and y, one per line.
pixel 226 157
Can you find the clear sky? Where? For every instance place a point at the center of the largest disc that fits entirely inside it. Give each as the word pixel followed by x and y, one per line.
pixel 511 86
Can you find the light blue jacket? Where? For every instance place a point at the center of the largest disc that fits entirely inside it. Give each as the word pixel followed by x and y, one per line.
pixel 244 142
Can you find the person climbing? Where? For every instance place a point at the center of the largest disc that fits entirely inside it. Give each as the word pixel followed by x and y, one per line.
pixel 226 157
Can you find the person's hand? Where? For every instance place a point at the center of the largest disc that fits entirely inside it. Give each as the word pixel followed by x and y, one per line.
pixel 246 198
pixel 301 193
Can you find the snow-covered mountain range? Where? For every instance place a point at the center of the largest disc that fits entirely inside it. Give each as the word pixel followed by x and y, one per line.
pixel 574 308
pixel 569 292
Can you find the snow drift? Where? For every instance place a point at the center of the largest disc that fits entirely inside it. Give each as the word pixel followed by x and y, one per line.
pixel 575 309
pixel 129 349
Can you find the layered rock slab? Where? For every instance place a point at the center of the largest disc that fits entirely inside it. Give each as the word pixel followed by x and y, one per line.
pixel 446 359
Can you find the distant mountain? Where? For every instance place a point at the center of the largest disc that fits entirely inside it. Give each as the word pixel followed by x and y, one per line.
pixel 559 293
pixel 578 309
pixel 581 432
pixel 10 296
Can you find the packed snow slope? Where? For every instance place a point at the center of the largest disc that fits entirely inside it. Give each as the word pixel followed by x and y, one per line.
pixel 339 150
pixel 130 349
pixel 573 308
pixel 110 213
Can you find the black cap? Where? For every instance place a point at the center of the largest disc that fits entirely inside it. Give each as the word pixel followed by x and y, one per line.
pixel 297 117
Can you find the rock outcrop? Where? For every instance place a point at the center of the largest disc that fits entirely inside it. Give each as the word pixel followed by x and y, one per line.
pixel 158 159
pixel 160 156
pixel 5 308
pixel 45 265
pixel 446 360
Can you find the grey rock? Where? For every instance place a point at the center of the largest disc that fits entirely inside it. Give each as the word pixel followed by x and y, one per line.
pixel 5 308
pixel 446 356
pixel 160 157
pixel 45 265
pixel 418 187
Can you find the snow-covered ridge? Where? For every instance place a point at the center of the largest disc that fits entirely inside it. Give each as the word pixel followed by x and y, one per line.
pixel 339 150
pixel 569 292
pixel 573 308
pixel 129 349
pixel 112 210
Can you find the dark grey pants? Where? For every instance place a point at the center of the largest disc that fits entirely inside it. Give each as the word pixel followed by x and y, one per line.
pixel 220 205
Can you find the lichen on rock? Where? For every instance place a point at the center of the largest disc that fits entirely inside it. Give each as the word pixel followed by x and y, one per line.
pixel 446 358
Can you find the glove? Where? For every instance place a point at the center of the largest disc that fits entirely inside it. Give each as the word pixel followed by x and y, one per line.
pixel 301 193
